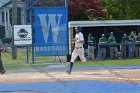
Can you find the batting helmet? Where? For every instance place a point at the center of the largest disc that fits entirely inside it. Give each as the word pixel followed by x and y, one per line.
pixel 78 28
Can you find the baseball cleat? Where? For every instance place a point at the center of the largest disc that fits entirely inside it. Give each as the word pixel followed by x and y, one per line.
pixel 2 71
pixel 68 72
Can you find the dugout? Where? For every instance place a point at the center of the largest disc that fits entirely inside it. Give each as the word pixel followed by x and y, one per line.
pixel 96 28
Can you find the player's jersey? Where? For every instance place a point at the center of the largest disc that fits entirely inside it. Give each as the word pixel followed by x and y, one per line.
pixel 111 39
pixel 91 41
pixel 138 40
pixel 79 37
pixel 131 39
pixel 103 40
pixel 125 39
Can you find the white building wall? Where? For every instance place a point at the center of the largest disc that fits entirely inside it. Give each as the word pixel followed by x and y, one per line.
pixel 6 23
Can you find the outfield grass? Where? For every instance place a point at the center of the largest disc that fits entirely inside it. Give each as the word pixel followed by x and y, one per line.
pixel 29 66
pixel 20 63
pixel 129 62
pixel 126 62
pixel 21 58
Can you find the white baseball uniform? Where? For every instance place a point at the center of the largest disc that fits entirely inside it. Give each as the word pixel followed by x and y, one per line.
pixel 78 50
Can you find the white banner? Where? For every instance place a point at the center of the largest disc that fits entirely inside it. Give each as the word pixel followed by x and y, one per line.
pixel 22 34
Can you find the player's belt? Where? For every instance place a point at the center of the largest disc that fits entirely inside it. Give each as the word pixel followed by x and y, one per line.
pixel 78 47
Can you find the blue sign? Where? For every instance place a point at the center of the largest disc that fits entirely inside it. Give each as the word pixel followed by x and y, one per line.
pixel 51 33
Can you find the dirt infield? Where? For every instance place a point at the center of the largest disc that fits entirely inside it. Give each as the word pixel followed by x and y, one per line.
pixel 118 75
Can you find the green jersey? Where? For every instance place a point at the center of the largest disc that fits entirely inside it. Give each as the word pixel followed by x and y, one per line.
pixel 138 40
pixel 91 41
pixel 125 39
pixel 131 39
pixel 111 39
pixel 103 40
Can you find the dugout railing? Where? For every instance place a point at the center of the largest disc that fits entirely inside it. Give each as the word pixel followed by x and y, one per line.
pixel 129 45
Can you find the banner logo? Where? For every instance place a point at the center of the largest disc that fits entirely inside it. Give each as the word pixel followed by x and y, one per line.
pixel 22 33
pixel 51 25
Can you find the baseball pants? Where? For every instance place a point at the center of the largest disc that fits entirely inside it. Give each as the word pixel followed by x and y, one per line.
pixel 102 52
pixel 91 51
pixel 113 52
pixel 123 51
pixel 137 50
pixel 79 51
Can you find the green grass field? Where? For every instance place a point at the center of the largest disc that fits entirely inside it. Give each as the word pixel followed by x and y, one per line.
pixel 129 62
pixel 125 62
pixel 40 62
pixel 21 58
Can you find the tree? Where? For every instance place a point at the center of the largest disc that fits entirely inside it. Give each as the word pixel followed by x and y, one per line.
pixel 86 10
pixel 122 9
pixel 78 9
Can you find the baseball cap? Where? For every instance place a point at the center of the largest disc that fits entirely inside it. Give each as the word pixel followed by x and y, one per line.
pixel 124 34
pixel 78 28
pixel 111 33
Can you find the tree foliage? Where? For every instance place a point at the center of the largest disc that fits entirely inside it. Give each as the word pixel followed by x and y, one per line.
pixel 86 10
pixel 77 9
pixel 122 9
pixel 96 9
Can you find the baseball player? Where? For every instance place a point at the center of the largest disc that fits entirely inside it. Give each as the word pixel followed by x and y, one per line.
pixel 138 46
pixel 113 49
pixel 103 40
pixel 91 46
pixel 78 50
pixel 125 40
pixel 135 49
pixel 132 40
